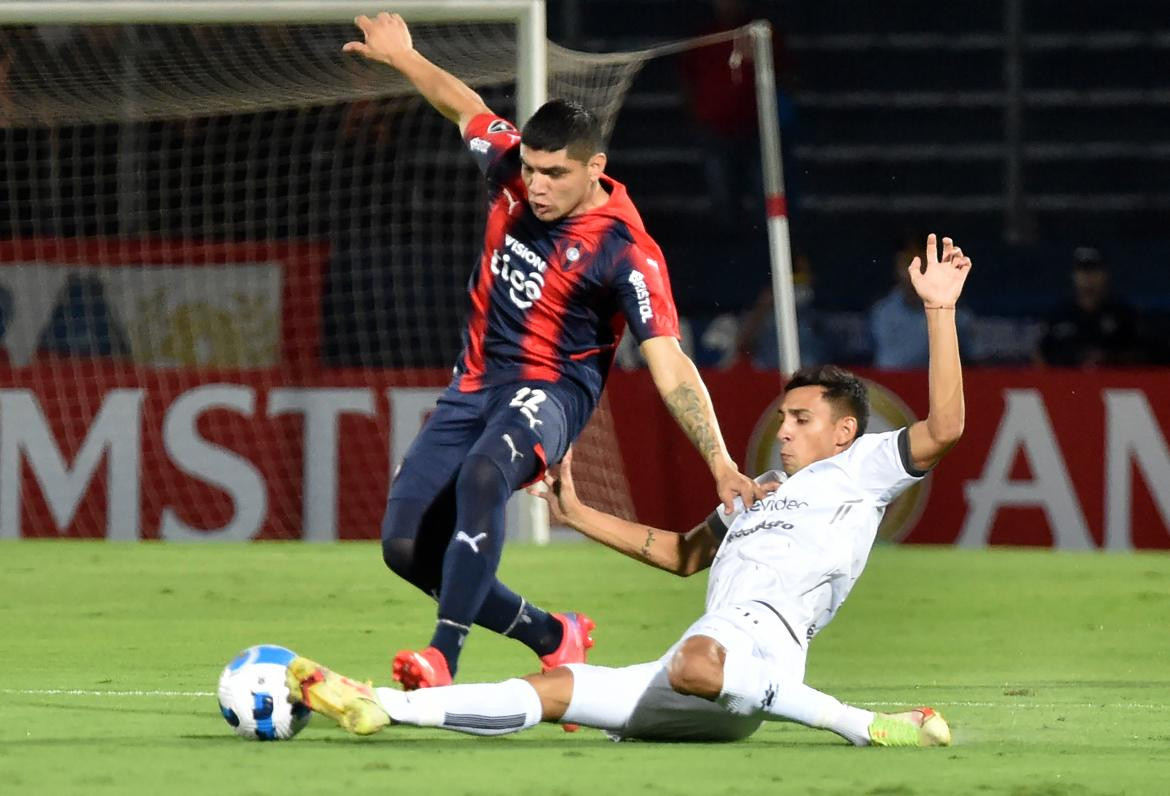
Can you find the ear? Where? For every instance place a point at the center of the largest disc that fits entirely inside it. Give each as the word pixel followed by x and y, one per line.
pixel 845 431
pixel 596 165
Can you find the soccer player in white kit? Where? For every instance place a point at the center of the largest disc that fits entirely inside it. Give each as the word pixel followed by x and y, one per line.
pixel 779 573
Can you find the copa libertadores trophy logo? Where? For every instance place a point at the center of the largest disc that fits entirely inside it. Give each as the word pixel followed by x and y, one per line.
pixel 886 412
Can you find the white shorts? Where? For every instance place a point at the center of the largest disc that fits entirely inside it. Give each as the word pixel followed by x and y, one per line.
pixel 638 702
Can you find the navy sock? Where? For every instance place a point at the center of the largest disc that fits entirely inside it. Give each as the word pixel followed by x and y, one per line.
pixel 473 554
pixel 511 615
pixel 448 639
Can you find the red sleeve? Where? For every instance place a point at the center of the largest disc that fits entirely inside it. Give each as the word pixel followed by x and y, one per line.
pixel 494 144
pixel 643 289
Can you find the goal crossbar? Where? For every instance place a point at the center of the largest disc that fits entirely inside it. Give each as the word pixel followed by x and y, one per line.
pixel 529 15
pixel 221 12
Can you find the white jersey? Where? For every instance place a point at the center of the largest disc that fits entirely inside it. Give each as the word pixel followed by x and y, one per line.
pixel 800 550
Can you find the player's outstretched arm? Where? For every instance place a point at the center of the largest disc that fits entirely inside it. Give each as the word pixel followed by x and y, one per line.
pixel 686 397
pixel 387 40
pixel 681 553
pixel 939 282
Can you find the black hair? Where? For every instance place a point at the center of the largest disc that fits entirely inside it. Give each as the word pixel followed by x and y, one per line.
pixel 1087 258
pixel 563 124
pixel 845 392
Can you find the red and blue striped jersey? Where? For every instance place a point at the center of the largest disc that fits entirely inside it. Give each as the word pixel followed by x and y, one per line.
pixel 550 301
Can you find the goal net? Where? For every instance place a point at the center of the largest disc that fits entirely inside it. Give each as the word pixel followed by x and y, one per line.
pixel 233 268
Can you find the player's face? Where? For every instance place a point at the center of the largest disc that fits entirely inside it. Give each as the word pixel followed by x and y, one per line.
pixel 558 185
pixel 809 429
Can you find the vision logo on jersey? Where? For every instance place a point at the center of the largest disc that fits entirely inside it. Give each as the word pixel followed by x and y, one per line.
pixel 524 288
pixel 643 294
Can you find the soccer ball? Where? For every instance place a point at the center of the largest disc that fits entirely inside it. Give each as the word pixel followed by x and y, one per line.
pixel 253 697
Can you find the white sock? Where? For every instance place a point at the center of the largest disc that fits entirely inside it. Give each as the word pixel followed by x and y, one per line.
pixel 477 709
pixel 749 690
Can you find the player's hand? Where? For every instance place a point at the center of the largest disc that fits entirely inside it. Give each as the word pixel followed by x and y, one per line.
pixel 939 281
pixel 730 483
pixel 558 491
pixel 386 38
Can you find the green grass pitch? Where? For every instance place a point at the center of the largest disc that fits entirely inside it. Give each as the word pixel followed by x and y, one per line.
pixel 1054 670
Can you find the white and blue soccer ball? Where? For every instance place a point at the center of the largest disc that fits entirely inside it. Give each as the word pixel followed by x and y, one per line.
pixel 253 697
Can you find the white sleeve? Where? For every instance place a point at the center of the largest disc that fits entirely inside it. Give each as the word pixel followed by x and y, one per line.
pixel 719 522
pixel 884 466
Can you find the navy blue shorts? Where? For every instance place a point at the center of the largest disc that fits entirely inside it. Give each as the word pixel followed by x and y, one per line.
pixel 504 422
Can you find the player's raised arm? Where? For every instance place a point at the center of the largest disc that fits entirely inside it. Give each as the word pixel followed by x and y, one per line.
pixel 939 281
pixel 686 397
pixel 387 39
pixel 681 553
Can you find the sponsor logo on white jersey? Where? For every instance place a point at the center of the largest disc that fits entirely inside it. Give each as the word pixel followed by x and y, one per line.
pixel 639 283
pixel 524 287
pixel 843 510
pixel 778 504
pixel 766 525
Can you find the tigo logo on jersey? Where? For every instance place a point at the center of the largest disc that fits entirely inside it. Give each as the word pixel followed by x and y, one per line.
pixel 523 288
pixel 639 283
pixel 479 145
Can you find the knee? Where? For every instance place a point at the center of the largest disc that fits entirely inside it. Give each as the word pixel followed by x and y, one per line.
pixel 481 475
pixel 398 555
pixel 555 689
pixel 399 532
pixel 697 667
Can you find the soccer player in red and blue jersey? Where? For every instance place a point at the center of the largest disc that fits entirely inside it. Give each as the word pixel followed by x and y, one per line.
pixel 566 265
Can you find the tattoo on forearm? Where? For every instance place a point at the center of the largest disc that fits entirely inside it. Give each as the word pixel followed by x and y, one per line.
pixel 690 410
pixel 645 552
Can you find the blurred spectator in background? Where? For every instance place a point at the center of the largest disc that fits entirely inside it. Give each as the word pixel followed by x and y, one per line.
pixel 1095 328
pixel 897 323
pixel 756 338
pixel 719 83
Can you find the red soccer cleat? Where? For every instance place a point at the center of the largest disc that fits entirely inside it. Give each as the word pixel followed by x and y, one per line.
pixel 574 644
pixel 426 669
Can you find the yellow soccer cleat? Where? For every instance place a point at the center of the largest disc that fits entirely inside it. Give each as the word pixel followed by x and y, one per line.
pixel 352 705
pixel 917 727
